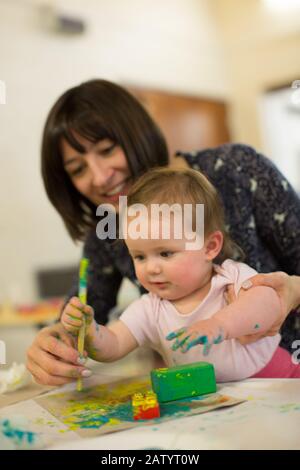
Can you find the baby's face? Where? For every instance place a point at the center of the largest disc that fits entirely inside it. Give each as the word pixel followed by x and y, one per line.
pixel 165 267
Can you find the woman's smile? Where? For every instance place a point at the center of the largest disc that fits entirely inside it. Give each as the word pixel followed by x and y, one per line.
pixel 113 194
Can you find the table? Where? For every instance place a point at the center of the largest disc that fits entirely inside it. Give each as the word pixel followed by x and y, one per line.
pixel 19 326
pixel 269 419
pixel 39 313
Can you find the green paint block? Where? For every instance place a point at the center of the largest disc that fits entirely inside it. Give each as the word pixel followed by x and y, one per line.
pixel 187 381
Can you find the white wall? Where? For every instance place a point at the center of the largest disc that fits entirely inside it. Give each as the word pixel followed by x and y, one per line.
pixel 280 124
pixel 261 49
pixel 167 44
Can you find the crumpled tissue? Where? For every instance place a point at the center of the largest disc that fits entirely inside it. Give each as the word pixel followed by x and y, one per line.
pixel 14 378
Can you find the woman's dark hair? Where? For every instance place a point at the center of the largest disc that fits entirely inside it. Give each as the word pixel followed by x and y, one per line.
pixel 96 109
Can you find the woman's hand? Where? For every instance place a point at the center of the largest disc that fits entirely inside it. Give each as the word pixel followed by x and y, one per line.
pixel 288 290
pixel 52 358
pixel 73 315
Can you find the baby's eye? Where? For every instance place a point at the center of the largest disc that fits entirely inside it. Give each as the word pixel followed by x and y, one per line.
pixel 166 254
pixel 139 257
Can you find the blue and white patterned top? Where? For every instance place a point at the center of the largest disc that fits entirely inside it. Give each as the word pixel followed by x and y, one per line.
pixel 262 214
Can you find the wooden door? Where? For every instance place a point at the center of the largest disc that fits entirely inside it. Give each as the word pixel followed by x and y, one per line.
pixel 188 123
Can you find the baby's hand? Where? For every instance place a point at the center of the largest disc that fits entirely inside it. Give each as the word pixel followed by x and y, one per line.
pixel 74 313
pixel 206 332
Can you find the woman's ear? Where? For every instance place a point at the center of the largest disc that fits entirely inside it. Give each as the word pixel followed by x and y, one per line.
pixel 213 245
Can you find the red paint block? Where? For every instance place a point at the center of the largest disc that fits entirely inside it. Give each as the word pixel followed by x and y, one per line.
pixel 145 406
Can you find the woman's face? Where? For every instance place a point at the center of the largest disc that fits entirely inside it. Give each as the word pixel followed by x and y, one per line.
pixel 101 174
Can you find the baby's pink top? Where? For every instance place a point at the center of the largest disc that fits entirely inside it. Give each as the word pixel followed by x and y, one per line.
pixel 150 319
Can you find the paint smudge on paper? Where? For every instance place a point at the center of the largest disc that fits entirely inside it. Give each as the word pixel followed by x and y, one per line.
pixel 107 408
pixel 14 434
pixel 99 406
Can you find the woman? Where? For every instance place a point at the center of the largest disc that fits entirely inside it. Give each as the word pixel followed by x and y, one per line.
pixel 97 140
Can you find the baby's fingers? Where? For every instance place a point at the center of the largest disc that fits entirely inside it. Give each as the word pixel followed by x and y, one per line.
pixel 88 314
pixel 179 343
pixel 76 303
pixel 190 344
pixel 73 312
pixel 229 294
pixel 175 334
pixel 206 348
pixel 72 321
pixel 70 328
pixel 79 306
pixel 194 341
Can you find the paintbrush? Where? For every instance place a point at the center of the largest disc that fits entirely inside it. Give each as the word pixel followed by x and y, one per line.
pixel 84 263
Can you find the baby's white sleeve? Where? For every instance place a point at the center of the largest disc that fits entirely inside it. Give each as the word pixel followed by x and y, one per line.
pixel 238 273
pixel 139 317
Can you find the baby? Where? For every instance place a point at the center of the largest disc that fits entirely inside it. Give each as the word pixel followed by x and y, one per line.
pixel 186 281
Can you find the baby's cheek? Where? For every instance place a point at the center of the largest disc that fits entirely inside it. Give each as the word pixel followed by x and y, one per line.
pixel 140 275
pixel 186 273
pixel 180 271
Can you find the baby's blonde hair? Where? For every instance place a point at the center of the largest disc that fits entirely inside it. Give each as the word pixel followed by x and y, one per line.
pixel 185 186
